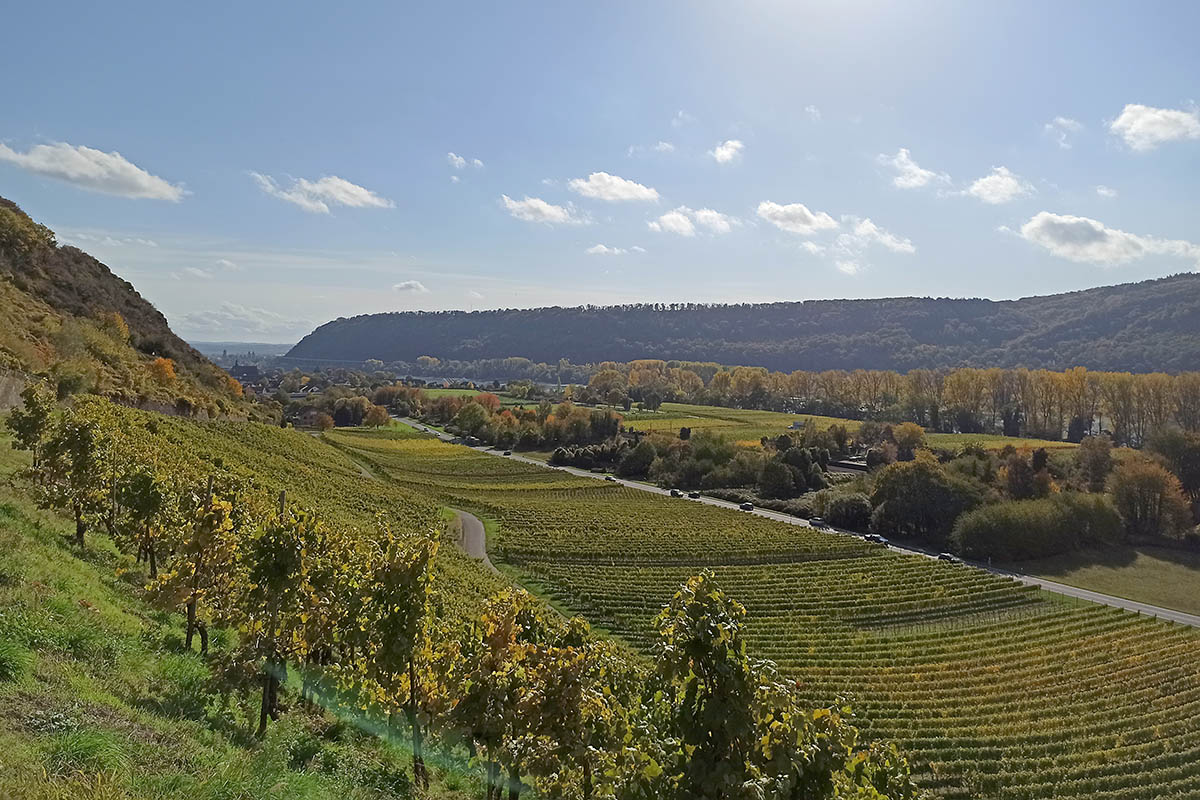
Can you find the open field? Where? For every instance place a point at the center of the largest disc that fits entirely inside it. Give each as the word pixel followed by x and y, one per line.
pixel 1156 575
pixel 748 426
pixel 996 690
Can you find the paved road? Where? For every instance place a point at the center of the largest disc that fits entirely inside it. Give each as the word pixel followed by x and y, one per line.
pixel 1051 586
pixel 472 538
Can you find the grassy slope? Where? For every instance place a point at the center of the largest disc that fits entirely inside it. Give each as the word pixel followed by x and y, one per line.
pixel 104 703
pixel 1156 575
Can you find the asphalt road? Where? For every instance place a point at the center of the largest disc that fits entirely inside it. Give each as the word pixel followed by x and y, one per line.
pixel 1050 586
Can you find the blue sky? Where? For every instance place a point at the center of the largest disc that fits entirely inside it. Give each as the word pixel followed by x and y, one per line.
pixel 258 169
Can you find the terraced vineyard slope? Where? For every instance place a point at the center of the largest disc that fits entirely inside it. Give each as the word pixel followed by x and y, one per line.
pixel 996 690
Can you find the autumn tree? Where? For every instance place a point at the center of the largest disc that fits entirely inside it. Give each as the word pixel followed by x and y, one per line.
pixel 145 499
pixel 377 417
pixel 1094 460
pixel 70 473
pixel 918 498
pixel 162 371
pixel 1149 499
pixel 31 421
pixel 908 437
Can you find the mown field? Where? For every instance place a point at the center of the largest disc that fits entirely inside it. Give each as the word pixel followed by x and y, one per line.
pixel 748 426
pixel 995 690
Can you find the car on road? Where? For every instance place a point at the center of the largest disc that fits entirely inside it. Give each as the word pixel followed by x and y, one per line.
pixel 694 495
pixel 818 522
pixel 508 452
pixel 747 506
pixel 609 478
pixel 949 558
pixel 676 493
pixel 876 538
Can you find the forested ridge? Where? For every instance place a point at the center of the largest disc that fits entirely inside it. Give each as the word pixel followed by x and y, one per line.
pixel 1138 327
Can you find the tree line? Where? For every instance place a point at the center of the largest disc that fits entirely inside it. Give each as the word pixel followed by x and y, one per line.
pixel 1151 324
pixel 323 610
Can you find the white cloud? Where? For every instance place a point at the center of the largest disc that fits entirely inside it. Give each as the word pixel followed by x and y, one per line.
pixel 474 295
pixel 454 179
pixel 1061 129
pixel 460 162
pixel 864 232
pixel 637 249
pixel 95 170
pixel 602 250
pixel 681 118
pixel 1089 241
pixel 683 221
pixel 910 174
pixel 813 247
pixel 795 218
pixel 1106 191
pixel 535 209
pixel 107 239
pixel 1146 127
pixel 727 151
pixel 664 147
pixel 415 287
pixel 1001 186
pixel 715 221
pixel 848 267
pixel 813 112
pixel 231 321
pixel 225 263
pixel 602 186
pixel 196 272
pixel 675 222
pixel 317 196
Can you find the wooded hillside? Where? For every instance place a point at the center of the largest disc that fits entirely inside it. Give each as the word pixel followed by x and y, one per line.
pixel 1137 327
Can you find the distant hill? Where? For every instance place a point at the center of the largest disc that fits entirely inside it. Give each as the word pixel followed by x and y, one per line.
pixel 65 316
pixel 1136 327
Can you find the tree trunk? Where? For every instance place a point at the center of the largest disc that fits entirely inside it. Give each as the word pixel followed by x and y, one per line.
pixel 514 784
pixel 420 776
pixel 80 527
pixel 264 710
pixel 202 629
pixel 153 561
pixel 191 620
pixel 587 779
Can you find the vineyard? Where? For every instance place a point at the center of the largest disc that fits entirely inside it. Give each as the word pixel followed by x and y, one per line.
pixel 993 689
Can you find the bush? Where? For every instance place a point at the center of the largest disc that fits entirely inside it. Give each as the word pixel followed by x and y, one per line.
pixel 14 661
pixel 1016 530
pixel 850 511
pixel 87 751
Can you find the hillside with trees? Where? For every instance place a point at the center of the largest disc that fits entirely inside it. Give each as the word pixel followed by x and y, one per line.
pixel 1138 327
pixel 65 317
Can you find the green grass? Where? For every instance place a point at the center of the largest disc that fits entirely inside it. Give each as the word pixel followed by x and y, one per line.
pixel 748 426
pixel 1155 575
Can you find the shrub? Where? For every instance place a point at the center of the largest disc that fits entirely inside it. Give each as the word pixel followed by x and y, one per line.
pixel 14 661
pixel 86 750
pixel 1022 529
pixel 851 511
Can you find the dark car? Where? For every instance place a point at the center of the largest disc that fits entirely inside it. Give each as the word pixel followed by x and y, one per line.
pixel 747 506
pixel 818 522
pixel 676 493
pixel 609 478
pixel 694 495
pixel 508 452
pixel 949 558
